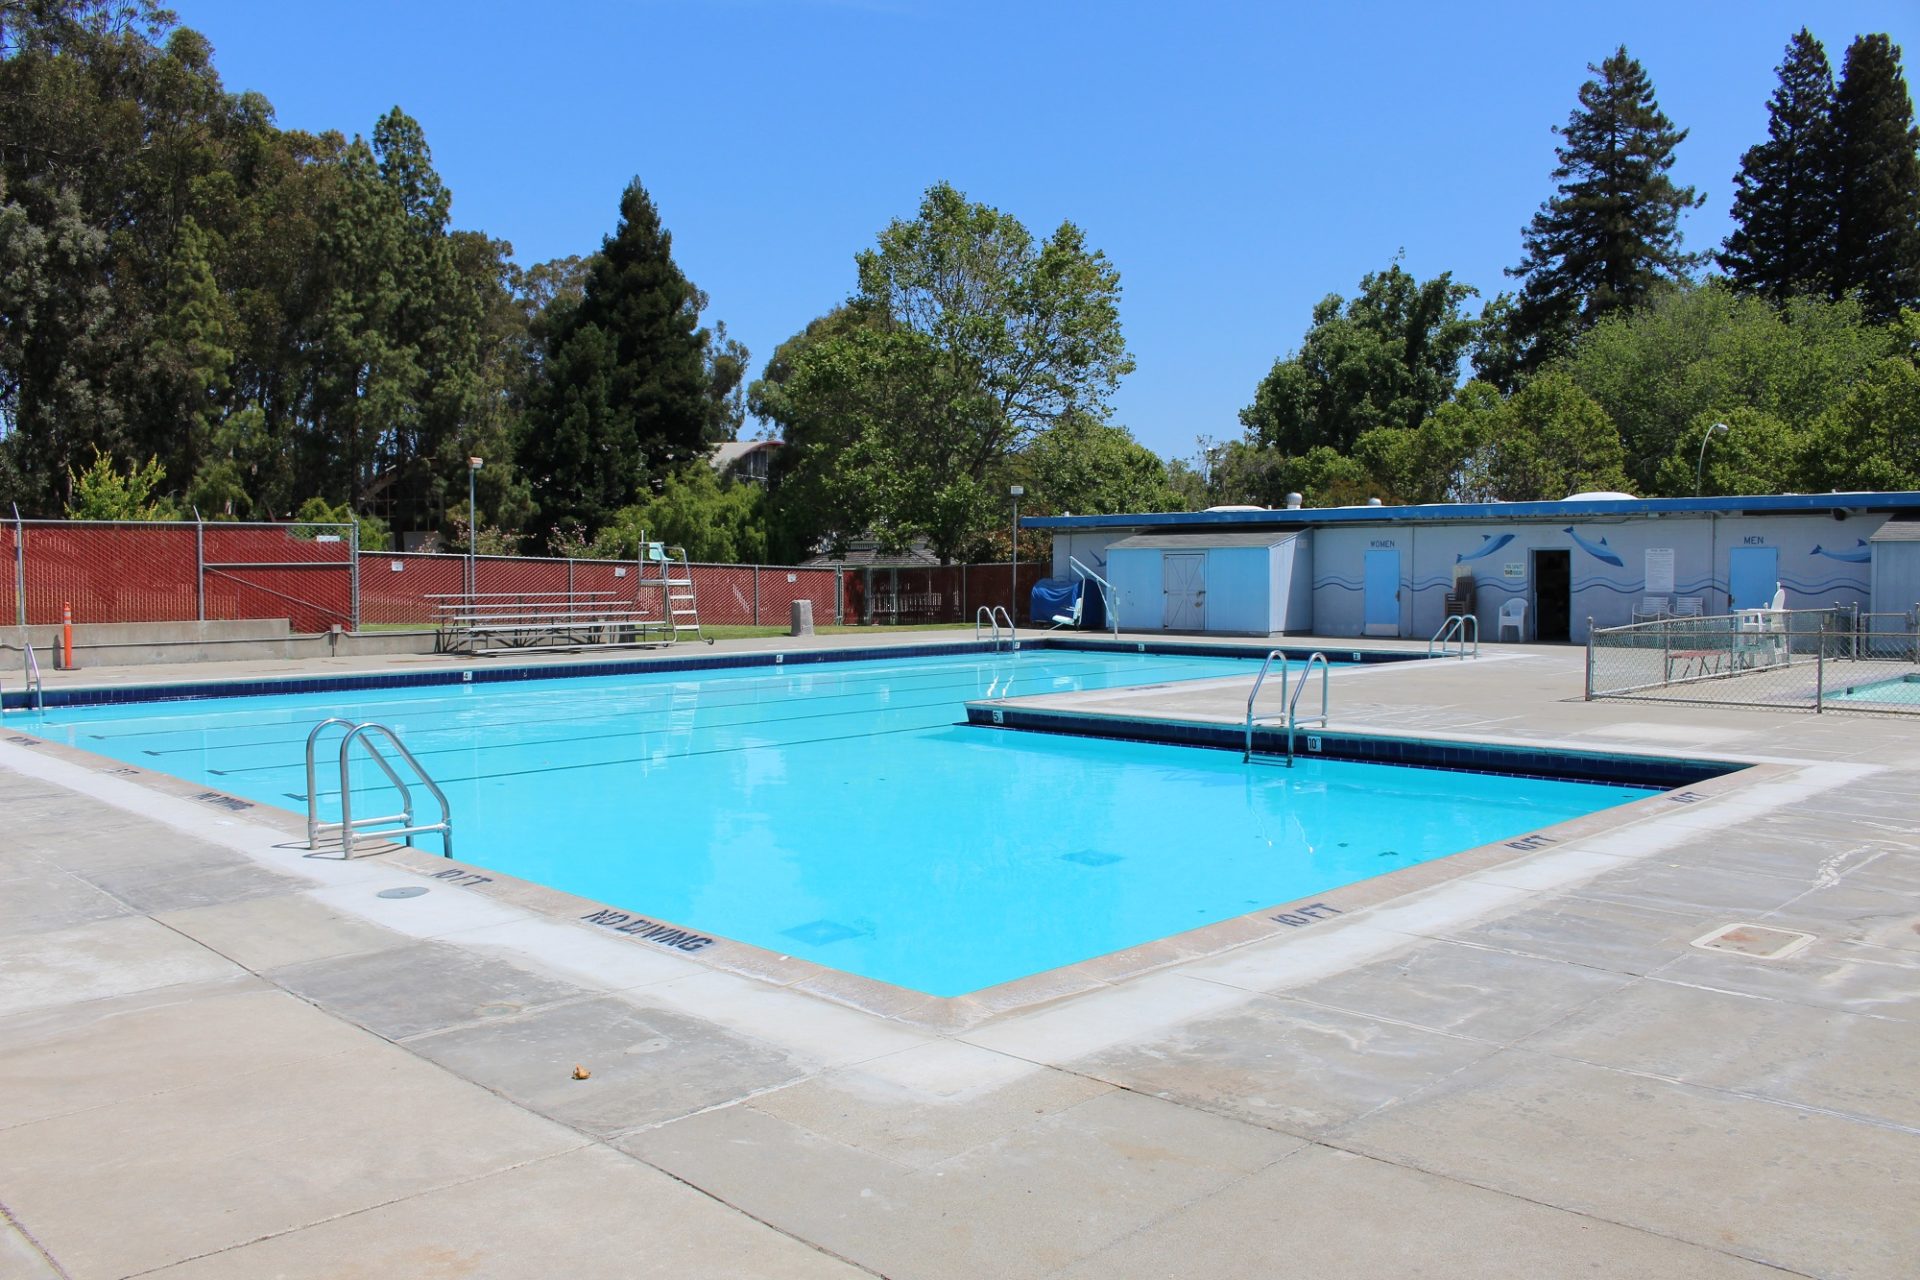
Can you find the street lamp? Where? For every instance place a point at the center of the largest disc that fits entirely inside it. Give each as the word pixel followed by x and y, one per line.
pixel 1016 491
pixel 473 532
pixel 1699 468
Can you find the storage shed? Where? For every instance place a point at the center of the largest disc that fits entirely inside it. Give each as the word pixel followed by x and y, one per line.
pixel 1894 552
pixel 1227 583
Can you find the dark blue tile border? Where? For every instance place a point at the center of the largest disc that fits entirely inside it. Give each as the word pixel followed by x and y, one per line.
pixel 1660 773
pixel 484 670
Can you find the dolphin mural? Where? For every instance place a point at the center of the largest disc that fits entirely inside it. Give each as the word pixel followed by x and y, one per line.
pixel 1488 545
pixel 1858 553
pixel 1598 550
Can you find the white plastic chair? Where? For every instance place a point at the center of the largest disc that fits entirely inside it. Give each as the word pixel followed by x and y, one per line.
pixel 1652 609
pixel 1513 614
pixel 1686 606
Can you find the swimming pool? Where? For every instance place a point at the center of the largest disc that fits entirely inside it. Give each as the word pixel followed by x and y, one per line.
pixel 838 813
pixel 1899 691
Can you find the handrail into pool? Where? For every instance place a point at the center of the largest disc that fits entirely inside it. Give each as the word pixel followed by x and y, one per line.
pixel 1293 720
pixel 1459 628
pixel 36 684
pixel 348 824
pixel 1106 592
pixel 1291 701
pixel 992 615
pixel 1255 693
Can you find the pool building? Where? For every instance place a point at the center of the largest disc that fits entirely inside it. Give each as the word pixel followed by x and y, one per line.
pixel 1548 570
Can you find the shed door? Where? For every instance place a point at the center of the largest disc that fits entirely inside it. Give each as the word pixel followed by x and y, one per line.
pixel 1753 574
pixel 1382 613
pixel 1184 575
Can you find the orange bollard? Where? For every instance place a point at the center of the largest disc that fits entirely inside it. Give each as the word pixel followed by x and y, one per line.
pixel 66 635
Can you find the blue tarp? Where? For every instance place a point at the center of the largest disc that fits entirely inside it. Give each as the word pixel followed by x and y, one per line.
pixel 1052 597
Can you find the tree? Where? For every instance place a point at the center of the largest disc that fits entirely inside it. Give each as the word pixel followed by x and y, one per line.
pixel 1782 244
pixel 966 340
pixel 1871 439
pixel 1759 453
pixel 1611 234
pixel 1388 358
pixel 101 493
pixel 1709 351
pixel 718 522
pixel 624 389
pixel 1084 467
pixel 1877 180
pixel 1037 327
pixel 1428 463
pixel 1552 440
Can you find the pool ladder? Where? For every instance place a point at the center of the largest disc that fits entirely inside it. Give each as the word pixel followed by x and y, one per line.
pixel 992 616
pixel 381 824
pixel 1454 635
pixel 1293 716
pixel 36 688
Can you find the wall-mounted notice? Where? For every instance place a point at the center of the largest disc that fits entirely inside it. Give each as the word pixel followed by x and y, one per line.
pixel 1515 569
pixel 1659 570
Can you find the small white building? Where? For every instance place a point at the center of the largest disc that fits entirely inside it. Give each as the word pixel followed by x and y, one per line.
pixel 1590 560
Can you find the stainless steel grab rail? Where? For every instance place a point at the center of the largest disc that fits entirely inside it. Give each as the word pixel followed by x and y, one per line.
pixel 1463 628
pixel 1255 693
pixel 1293 719
pixel 1291 701
pixel 378 824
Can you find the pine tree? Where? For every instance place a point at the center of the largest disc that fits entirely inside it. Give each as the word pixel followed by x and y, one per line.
pixel 634 399
pixel 1612 233
pixel 1783 204
pixel 1877 179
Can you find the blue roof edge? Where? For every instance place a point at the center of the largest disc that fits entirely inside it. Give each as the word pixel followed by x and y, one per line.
pixel 1449 511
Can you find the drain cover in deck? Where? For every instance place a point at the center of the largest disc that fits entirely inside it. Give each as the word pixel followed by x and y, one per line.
pixel 1756 941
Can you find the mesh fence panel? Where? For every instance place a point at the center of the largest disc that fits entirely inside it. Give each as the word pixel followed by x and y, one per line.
pixel 1825 660
pixel 303 572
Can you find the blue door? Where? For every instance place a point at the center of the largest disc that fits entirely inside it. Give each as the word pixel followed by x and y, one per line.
pixel 1382 612
pixel 1753 574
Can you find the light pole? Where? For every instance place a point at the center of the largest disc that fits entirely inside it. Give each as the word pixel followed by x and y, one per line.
pixel 1016 491
pixel 473 532
pixel 1699 468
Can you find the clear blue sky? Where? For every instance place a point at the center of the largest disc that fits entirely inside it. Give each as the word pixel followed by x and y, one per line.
pixel 1237 162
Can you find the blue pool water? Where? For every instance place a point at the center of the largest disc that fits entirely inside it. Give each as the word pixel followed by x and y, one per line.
pixel 838 812
pixel 1901 690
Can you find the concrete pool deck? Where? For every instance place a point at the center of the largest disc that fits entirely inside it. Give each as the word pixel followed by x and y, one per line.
pixel 218 1058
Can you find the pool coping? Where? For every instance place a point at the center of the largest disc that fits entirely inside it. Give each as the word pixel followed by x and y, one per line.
pixel 1021 995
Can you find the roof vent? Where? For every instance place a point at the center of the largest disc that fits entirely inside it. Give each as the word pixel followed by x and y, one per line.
pixel 1293 501
pixel 1373 502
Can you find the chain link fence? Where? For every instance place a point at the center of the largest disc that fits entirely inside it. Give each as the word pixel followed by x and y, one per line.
pixel 1821 660
pixel 315 576
pixel 176 571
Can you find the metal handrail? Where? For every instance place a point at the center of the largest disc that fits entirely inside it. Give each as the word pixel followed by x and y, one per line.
pixel 1106 592
pixel 1463 627
pixel 1013 633
pixel 348 824
pixel 1255 693
pixel 1293 720
pixel 36 683
pixel 992 614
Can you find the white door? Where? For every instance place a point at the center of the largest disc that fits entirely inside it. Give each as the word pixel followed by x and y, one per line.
pixel 1184 577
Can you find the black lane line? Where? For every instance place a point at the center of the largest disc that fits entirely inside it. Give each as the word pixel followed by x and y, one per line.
pixel 539 689
pixel 469 748
pixel 685 755
pixel 551 713
pixel 656 708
